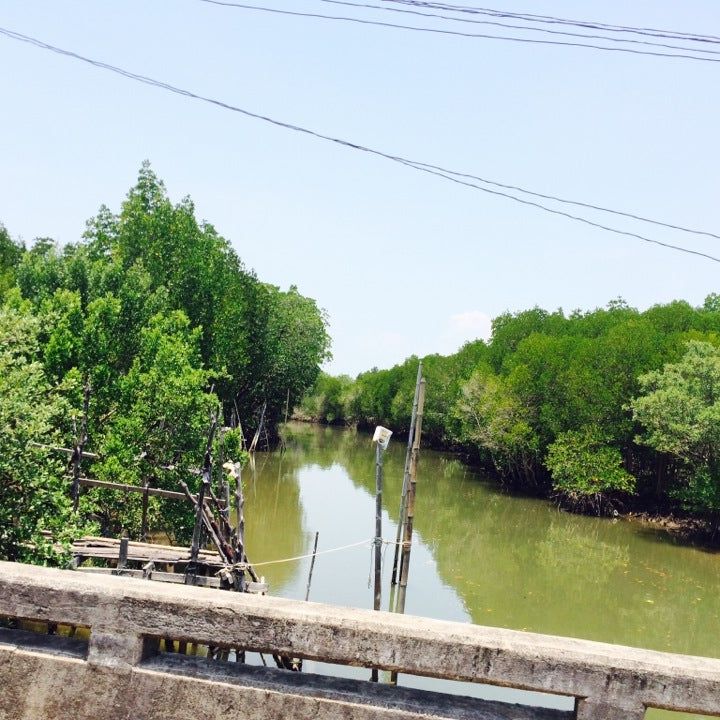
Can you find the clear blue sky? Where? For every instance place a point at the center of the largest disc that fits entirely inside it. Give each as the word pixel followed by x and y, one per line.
pixel 402 262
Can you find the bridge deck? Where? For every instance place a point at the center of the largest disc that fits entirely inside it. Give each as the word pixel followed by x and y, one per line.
pixel 122 675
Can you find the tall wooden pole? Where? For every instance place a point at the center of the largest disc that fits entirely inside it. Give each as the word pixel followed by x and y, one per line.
pixel 312 565
pixel 406 477
pixel 80 442
pixel 378 534
pixel 191 568
pixel 407 535
pixel 240 520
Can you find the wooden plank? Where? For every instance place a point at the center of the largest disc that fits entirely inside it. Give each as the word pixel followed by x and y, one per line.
pixel 178 578
pixel 122 487
pixel 107 554
pixel 96 540
pixel 108 549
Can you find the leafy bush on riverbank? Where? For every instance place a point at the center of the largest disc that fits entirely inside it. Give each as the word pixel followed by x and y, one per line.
pixel 532 403
pixel 156 313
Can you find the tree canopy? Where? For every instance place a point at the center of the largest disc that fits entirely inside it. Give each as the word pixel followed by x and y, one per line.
pixel 154 311
pixel 572 405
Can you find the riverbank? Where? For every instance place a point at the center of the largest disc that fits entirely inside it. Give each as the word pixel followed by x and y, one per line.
pixel 677 524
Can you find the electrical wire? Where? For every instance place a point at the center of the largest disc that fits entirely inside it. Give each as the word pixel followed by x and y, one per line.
pixel 450 175
pixel 577 203
pixel 517 27
pixel 457 33
pixel 562 213
pixel 554 20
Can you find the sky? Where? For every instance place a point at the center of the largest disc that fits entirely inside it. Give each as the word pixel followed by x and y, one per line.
pixel 403 262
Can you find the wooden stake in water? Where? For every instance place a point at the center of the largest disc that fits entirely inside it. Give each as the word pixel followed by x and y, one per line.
pixel 240 520
pixel 378 534
pixel 408 533
pixel 381 439
pixel 406 478
pixel 312 565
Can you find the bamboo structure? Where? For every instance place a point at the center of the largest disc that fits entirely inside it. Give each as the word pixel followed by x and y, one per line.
pixel 377 595
pixel 406 477
pixel 312 565
pixel 256 437
pixel 79 449
pixel 200 505
pixel 410 510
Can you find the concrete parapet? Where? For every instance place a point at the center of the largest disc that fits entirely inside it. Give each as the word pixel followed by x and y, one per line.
pixel 126 617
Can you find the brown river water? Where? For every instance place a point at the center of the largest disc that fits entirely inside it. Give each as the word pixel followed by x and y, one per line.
pixel 480 555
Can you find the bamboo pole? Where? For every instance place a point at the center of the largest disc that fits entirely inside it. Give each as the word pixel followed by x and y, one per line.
pixel 407 536
pixel 312 565
pixel 406 477
pixel 144 523
pixel 122 487
pixel 200 507
pixel 378 535
pixel 224 485
pixel 256 437
pixel 80 442
pixel 240 517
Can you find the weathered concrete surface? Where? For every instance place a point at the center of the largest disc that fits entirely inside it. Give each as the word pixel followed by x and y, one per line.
pixel 611 682
pixel 186 688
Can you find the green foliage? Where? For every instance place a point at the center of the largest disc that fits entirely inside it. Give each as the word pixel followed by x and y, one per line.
pixel 10 255
pixel 679 410
pixel 231 449
pixel 586 472
pixel 33 488
pixel 327 400
pixel 492 418
pixel 153 309
pixel 532 393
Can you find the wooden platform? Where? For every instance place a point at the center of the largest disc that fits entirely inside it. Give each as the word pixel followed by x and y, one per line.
pixel 109 549
pixel 174 559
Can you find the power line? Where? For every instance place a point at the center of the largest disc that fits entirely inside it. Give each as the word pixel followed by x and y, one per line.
pixel 554 20
pixel 450 175
pixel 529 28
pixel 577 203
pixel 591 223
pixel 458 33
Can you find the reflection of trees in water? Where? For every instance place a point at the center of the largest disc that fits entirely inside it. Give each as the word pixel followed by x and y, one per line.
pixel 274 516
pixel 518 562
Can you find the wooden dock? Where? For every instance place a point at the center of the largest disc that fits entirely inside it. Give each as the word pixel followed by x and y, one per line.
pixel 165 563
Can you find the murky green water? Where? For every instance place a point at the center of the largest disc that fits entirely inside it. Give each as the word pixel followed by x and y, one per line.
pixel 480 556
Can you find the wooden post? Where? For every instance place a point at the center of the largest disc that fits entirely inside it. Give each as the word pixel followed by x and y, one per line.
pixel 406 477
pixel 312 565
pixel 204 485
pixel 80 442
pixel 240 519
pixel 144 524
pixel 408 533
pixel 224 484
pixel 123 553
pixel 378 535
pixel 256 437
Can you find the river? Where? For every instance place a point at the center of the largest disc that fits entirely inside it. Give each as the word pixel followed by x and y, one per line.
pixel 480 555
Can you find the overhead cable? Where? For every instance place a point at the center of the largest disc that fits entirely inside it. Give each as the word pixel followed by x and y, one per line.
pixel 529 28
pixel 458 33
pixel 554 20
pixel 450 175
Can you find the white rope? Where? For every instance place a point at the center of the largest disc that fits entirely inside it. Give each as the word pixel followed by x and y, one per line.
pixel 369 541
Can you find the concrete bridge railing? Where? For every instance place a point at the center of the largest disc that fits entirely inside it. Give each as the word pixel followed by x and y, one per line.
pixel 119 673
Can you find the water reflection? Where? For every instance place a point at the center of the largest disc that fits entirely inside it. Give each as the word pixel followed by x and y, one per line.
pixel 481 556
pixel 273 516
